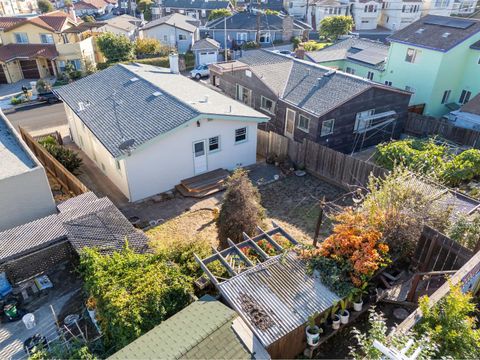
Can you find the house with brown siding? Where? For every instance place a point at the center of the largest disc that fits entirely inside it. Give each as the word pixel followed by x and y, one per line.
pixel 309 101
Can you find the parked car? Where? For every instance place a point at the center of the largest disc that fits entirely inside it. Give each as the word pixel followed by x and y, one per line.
pixel 199 72
pixel 48 97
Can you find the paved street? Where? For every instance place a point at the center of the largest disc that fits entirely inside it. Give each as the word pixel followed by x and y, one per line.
pixel 42 119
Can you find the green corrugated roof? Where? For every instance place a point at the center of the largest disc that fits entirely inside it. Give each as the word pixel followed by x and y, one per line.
pixel 203 330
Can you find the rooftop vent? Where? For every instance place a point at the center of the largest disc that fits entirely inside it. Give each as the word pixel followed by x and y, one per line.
pixel 445 35
pixel 83 105
pixel 134 79
pixel 419 31
pixel 204 100
pixel 157 93
pixel 330 73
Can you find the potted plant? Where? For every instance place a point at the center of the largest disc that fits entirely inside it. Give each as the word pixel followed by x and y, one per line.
pixel 344 313
pixel 313 331
pixel 358 297
pixel 335 317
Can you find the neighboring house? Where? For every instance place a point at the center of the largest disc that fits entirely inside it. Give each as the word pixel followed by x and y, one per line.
pixel 92 7
pixel 208 329
pixel 41 46
pixel 464 7
pixel 366 14
pixel 397 14
pixel 175 30
pixel 305 100
pixel 198 9
pixel 357 56
pixel 468 116
pixel 320 9
pixel 16 7
pixel 148 128
pixel 437 7
pixel 275 5
pixel 122 25
pixel 25 193
pixel 205 51
pixel 242 27
pixel 438 59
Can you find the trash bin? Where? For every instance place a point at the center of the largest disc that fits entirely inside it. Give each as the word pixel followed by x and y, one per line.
pixel 29 321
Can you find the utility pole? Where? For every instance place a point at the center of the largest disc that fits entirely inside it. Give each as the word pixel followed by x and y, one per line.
pixel 225 38
pixel 319 222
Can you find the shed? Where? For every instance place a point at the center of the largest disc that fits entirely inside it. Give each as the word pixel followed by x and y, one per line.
pixel 275 297
pixel 205 51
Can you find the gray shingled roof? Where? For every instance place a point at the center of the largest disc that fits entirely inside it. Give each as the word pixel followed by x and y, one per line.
pixel 180 21
pixel 203 330
pixel 85 221
pixel 248 21
pixel 430 32
pixel 357 49
pixel 297 81
pixel 206 44
pixel 196 4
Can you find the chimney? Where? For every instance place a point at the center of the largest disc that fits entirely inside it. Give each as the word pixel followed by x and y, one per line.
pixel 287 26
pixel 71 12
pixel 173 60
pixel 300 53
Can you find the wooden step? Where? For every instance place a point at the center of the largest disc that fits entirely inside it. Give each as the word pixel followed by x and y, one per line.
pixel 206 181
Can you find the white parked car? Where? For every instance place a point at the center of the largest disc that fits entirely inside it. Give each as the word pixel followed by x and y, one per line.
pixel 199 72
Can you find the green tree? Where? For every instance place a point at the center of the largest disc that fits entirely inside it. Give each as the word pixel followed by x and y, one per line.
pixel 88 18
pixel 45 6
pixel 241 210
pixel 145 7
pixel 332 27
pixel 219 13
pixel 145 48
pixel 450 324
pixel 67 3
pixel 115 47
pixel 271 12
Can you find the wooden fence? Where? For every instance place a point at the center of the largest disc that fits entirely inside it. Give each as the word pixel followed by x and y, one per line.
pixel 419 125
pixel 344 170
pixel 68 181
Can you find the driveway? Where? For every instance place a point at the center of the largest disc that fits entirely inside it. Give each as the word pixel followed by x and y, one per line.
pixel 7 90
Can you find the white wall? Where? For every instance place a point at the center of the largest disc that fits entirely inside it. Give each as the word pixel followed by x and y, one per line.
pixel 86 141
pixel 168 35
pixel 160 165
pixel 24 198
pixel 117 31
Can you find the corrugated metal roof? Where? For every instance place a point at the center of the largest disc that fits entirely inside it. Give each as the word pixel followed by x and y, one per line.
pixel 282 289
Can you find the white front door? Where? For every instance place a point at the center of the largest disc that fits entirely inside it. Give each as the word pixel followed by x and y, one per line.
pixel 290 123
pixel 199 157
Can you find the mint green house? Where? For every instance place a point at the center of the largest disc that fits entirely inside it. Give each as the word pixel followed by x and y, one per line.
pixel 357 56
pixel 437 58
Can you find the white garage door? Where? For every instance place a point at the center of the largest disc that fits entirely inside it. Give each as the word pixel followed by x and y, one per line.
pixel 208 57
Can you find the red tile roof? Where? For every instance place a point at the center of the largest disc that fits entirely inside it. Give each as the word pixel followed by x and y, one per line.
pixel 53 21
pixel 6 21
pixel 27 51
pixel 90 4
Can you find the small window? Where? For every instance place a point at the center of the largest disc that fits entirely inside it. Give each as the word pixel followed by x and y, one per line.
pixel 370 75
pixel 303 123
pixel 388 83
pixel 213 144
pixel 265 38
pixel 327 127
pixel 363 120
pixel 240 135
pixel 349 70
pixel 21 38
pixel 446 96
pixel 61 65
pixel 465 97
pixel 267 105
pixel 411 55
pixel 46 38
pixel 182 37
pixel 242 36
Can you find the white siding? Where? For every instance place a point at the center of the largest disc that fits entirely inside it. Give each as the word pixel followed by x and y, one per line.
pixel 168 35
pixel 159 166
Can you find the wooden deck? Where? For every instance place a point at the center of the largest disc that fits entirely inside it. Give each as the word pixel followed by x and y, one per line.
pixel 203 184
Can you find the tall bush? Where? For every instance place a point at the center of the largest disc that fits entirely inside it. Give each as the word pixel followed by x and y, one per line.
pixel 241 210
pixel 134 292
pixel 115 47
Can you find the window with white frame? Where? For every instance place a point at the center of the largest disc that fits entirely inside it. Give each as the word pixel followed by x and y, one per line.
pixel 303 123
pixel 46 38
pixel 214 144
pixel 61 65
pixel 21 38
pixel 412 55
pixel 182 37
pixel 350 70
pixel 327 127
pixel 77 64
pixel 446 96
pixel 370 75
pixel 465 97
pixel 240 135
pixel 244 95
pixel 265 38
pixel 168 10
pixel 267 105
pixel 242 36
pixel 388 83
pixel 362 120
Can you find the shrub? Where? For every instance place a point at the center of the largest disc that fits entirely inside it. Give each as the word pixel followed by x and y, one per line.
pixel 463 168
pixel 249 45
pixel 295 40
pixel 16 100
pixel 45 6
pixel 450 325
pixel 66 157
pixel 159 61
pixel 145 48
pixel 313 45
pixel 42 86
pixel 241 210
pixel 134 292
pixel 219 13
pixel 466 231
pixel 271 12
pixel 115 47
pixel 332 27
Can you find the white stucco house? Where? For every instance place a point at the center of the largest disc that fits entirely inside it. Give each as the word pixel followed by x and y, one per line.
pixel 174 30
pixel 25 193
pixel 148 128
